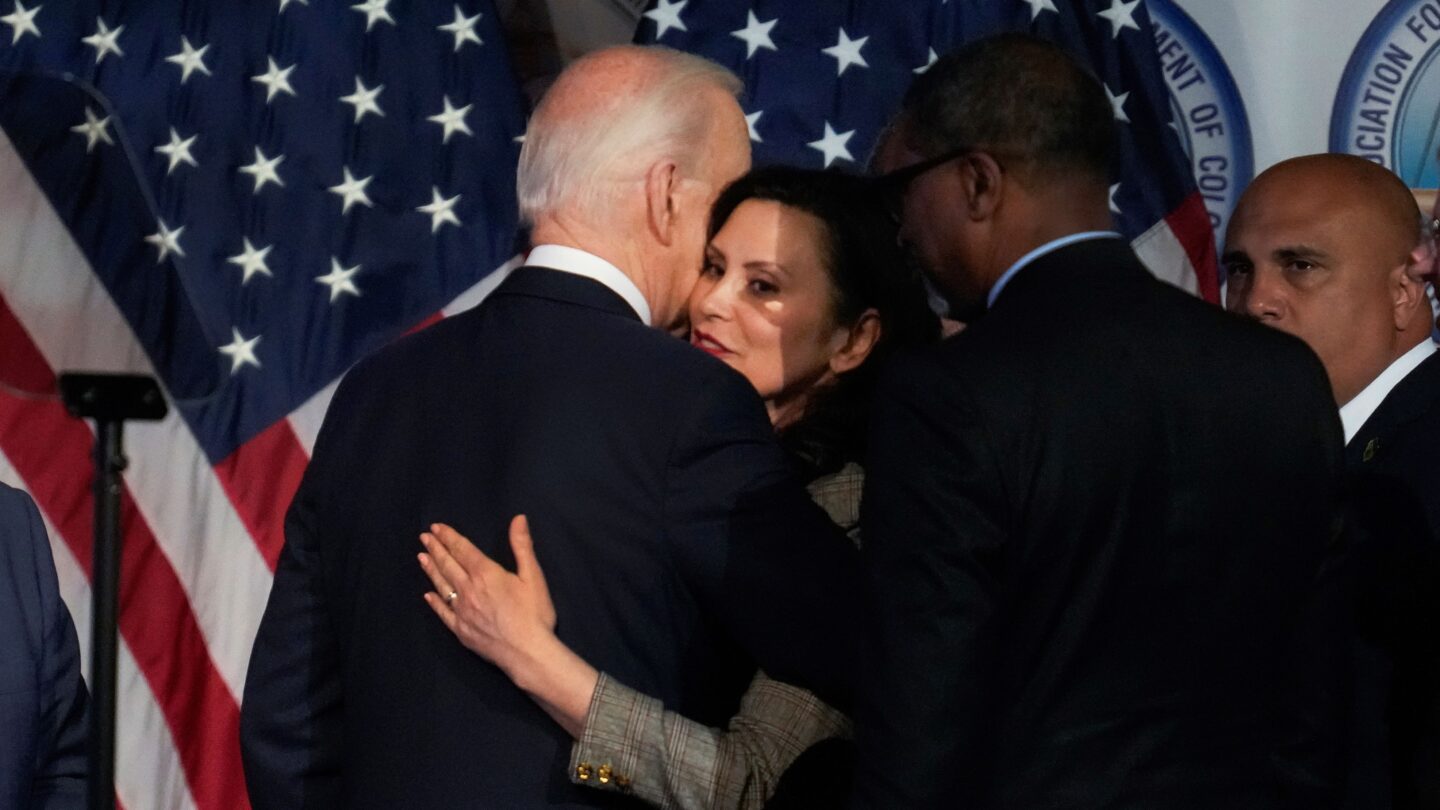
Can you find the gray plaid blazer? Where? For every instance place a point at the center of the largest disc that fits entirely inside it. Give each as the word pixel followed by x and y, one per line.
pixel 631 744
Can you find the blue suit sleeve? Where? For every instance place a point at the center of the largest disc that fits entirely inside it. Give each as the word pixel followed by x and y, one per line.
pixel 60 764
pixel 291 718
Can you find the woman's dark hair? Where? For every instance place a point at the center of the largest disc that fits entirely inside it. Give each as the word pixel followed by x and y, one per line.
pixel 867 269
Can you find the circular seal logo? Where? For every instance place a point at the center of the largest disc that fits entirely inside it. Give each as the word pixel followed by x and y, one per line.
pixel 1207 110
pixel 1388 107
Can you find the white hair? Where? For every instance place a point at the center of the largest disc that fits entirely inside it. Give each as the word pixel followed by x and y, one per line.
pixel 574 162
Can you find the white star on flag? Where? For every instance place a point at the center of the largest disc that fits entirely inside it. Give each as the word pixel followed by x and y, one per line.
pixel 97 212
pixel 750 121
pixel 930 59
pixel 440 209
pixel 363 99
pixel 241 351
pixel 463 28
pixel 263 170
pixel 166 241
pixel 833 145
pixel 452 119
pixel 1121 16
pixel 275 80
pixel 252 261
pixel 374 11
pixel 756 35
pixel 1037 6
pixel 352 191
pixel 189 59
pixel 1117 104
pixel 22 20
pixel 1114 209
pixel 847 52
pixel 339 280
pixel 666 16
pixel 177 150
pixel 104 41
pixel 93 129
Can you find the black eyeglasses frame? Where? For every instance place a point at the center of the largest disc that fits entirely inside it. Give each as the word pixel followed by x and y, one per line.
pixel 892 185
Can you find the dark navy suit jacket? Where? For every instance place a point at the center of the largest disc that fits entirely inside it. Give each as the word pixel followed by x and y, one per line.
pixel 1401 439
pixel 680 550
pixel 1390 567
pixel 1092 517
pixel 42 697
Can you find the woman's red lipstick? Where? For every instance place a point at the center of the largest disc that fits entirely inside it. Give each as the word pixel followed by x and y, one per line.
pixel 708 344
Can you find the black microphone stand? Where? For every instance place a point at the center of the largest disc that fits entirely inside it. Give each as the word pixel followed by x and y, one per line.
pixel 111 400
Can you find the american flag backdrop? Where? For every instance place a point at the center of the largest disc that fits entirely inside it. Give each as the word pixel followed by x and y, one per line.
pixel 822 79
pixel 245 197
pixel 242 198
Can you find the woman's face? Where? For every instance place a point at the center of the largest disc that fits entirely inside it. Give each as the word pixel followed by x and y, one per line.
pixel 763 304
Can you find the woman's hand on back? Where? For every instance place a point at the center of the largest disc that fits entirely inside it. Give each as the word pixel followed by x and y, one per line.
pixel 508 619
pixel 498 615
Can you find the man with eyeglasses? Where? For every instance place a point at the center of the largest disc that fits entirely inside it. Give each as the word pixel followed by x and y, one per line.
pixel 1092 514
pixel 1331 249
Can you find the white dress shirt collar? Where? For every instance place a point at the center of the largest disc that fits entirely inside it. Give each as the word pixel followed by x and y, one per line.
pixel 580 263
pixel 1048 247
pixel 1357 411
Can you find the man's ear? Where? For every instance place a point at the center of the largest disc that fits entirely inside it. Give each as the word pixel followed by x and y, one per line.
pixel 983 185
pixel 860 340
pixel 1407 290
pixel 662 181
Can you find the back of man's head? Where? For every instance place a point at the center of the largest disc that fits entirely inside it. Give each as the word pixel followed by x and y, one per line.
pixel 1020 97
pixel 608 118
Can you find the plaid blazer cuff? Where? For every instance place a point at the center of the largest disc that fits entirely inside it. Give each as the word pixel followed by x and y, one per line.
pixel 609 752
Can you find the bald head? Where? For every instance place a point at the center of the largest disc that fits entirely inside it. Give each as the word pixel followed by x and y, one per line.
pixel 1349 187
pixel 1319 247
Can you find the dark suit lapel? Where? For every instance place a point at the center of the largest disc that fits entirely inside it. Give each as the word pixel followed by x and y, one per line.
pixel 1412 398
pixel 565 288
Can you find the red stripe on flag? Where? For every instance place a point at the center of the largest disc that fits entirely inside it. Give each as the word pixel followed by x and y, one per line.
pixel 51 451
pixel 1190 223
pixel 428 322
pixel 261 477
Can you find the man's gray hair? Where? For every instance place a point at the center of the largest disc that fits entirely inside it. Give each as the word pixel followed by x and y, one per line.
pixel 576 162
